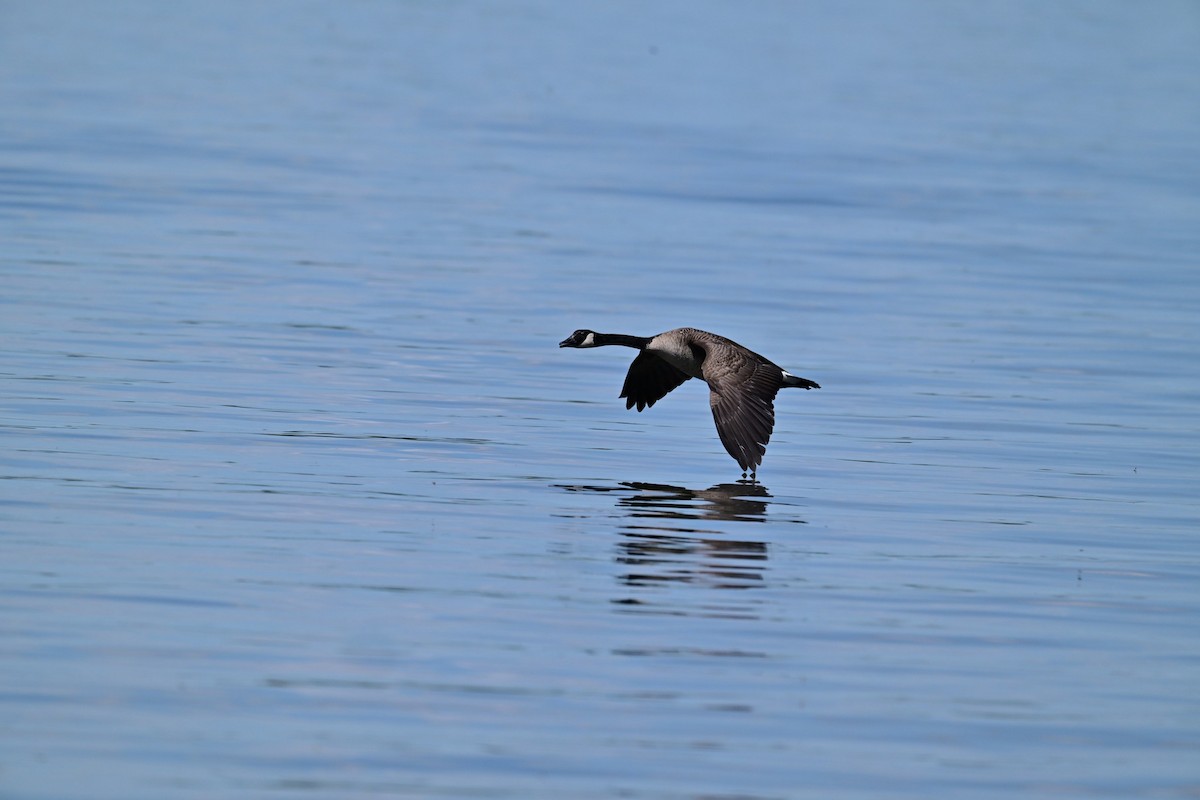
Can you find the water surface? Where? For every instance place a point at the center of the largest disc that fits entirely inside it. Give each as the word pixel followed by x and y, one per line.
pixel 301 499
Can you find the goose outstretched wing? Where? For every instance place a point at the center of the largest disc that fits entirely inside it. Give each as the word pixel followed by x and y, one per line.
pixel 742 397
pixel 649 380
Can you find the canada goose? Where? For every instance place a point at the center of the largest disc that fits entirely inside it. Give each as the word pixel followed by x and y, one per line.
pixel 742 384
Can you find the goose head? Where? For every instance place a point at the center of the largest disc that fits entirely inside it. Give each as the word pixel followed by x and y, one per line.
pixel 580 338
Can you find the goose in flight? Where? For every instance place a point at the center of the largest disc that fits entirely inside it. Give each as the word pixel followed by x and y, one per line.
pixel 742 384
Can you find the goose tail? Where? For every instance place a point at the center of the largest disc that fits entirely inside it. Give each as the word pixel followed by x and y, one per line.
pixel 800 383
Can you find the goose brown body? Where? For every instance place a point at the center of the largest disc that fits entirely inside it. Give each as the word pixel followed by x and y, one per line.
pixel 742 384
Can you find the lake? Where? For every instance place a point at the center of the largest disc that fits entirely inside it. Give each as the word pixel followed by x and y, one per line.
pixel 301 499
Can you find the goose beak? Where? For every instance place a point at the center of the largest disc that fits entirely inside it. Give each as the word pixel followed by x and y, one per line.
pixel 565 343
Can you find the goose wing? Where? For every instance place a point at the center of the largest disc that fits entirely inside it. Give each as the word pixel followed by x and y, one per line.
pixel 649 380
pixel 742 396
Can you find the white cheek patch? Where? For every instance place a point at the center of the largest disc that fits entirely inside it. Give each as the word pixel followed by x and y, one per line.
pixel 589 340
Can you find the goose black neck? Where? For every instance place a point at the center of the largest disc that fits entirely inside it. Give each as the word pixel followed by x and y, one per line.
pixel 636 342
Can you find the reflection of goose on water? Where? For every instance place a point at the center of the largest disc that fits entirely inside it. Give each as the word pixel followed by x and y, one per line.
pixel 652 558
pixel 742 384
pixel 729 501
pixel 669 538
pixel 738 502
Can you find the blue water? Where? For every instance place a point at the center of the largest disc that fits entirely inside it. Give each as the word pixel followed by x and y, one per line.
pixel 301 499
